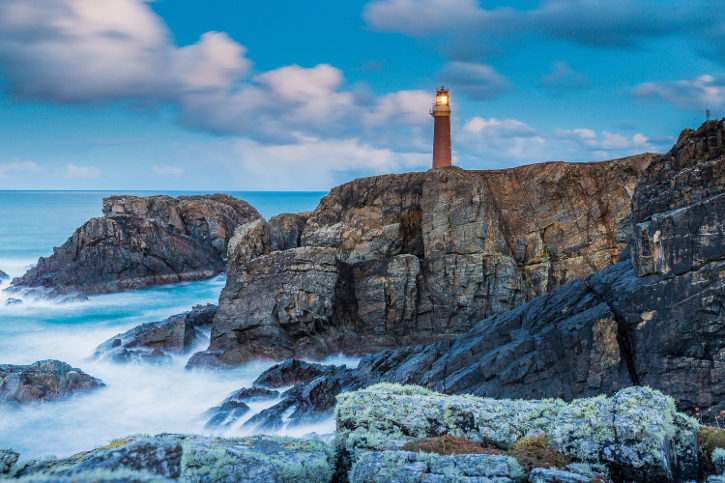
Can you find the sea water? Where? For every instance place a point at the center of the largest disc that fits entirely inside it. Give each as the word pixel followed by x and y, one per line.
pixel 137 398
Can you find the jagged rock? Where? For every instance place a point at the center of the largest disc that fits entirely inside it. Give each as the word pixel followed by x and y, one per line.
pixel 637 433
pixel 293 372
pixel 42 381
pixel 417 258
pixel 234 407
pixel 286 298
pixel 406 466
pixel 285 230
pixel 150 342
pixel 13 301
pixel 4 276
pixel 142 242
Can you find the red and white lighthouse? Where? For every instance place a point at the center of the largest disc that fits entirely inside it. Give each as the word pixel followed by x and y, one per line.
pixel 441 112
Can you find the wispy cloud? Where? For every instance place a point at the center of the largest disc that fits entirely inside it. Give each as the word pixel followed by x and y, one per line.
pixel 563 79
pixel 693 94
pixel 468 29
pixel 8 170
pixel 169 170
pixel 73 171
pixel 477 81
pixel 606 145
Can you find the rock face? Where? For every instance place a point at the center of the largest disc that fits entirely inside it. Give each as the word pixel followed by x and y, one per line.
pixel 655 319
pixel 142 242
pixel 637 433
pixel 152 341
pixel 42 381
pixel 416 258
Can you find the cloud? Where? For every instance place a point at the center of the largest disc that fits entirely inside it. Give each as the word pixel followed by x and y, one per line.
pixel 73 171
pixel 68 51
pixel 478 81
pixel 467 29
pixel 605 146
pixel 689 95
pixel 499 142
pixel 8 170
pixel 169 170
pixel 563 79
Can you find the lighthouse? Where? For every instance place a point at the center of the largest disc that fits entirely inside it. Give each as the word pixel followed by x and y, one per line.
pixel 441 112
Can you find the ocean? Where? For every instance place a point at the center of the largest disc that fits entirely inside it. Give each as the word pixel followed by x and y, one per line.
pixel 145 399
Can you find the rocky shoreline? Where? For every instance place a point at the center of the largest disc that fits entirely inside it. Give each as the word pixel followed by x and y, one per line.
pixel 572 310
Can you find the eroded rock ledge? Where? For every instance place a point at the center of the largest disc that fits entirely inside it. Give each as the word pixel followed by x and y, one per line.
pixel 140 243
pixel 416 258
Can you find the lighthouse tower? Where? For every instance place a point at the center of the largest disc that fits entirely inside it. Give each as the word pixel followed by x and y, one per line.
pixel 441 112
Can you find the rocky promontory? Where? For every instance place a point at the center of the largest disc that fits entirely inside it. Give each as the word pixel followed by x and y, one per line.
pixel 140 243
pixel 654 318
pixel 42 381
pixel 414 258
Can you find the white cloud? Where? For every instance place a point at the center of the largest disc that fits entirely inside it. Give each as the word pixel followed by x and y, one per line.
pixel 8 170
pixel 605 146
pixel 169 170
pixel 499 143
pixel 73 171
pixel 691 94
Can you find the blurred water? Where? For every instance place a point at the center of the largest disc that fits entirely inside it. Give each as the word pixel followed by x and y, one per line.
pixel 137 398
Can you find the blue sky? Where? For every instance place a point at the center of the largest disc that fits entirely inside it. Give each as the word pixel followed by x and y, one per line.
pixel 282 95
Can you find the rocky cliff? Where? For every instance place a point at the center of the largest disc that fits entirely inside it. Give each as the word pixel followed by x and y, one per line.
pixel 403 259
pixel 655 319
pixel 142 242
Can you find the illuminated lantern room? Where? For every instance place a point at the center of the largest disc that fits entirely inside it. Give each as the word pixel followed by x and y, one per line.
pixel 441 112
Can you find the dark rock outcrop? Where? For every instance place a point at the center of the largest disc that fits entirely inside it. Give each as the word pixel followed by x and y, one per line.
pixel 655 320
pixel 417 258
pixel 42 381
pixel 152 342
pixel 285 230
pixel 142 242
pixel 3 276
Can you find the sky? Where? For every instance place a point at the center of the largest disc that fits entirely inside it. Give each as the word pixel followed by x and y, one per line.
pixel 288 95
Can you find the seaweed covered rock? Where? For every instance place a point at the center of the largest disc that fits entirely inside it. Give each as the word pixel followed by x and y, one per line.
pixel 405 466
pixel 42 381
pixel 151 342
pixel 191 459
pixel 139 243
pixel 637 433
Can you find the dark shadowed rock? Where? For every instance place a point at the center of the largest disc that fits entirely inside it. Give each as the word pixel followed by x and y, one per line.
pixel 42 381
pixel 293 372
pixel 234 407
pixel 416 258
pixel 4 276
pixel 152 341
pixel 13 301
pixel 142 242
pixel 285 230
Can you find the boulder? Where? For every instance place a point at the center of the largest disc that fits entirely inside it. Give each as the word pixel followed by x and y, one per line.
pixel 406 466
pixel 541 475
pixel 637 433
pixel 139 243
pixel 42 381
pixel 285 230
pixel 13 301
